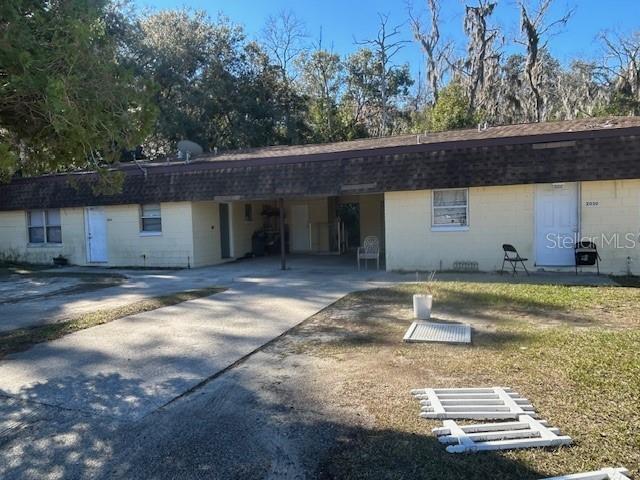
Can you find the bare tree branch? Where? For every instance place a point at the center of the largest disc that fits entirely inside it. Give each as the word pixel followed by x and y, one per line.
pixel 620 66
pixel 536 32
pixel 385 46
pixel 483 56
pixel 429 40
pixel 284 35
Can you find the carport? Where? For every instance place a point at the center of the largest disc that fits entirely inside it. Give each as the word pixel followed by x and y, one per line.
pixel 318 226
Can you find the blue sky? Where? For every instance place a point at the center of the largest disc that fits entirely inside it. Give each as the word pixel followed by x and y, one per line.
pixel 342 20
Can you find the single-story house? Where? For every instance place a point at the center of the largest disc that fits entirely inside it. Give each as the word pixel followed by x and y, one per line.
pixel 434 200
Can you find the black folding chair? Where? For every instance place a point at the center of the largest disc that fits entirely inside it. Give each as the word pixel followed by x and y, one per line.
pixel 512 256
pixel 586 254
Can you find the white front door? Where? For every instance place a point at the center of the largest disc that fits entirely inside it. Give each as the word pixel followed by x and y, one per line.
pixel 96 230
pixel 556 224
pixel 299 228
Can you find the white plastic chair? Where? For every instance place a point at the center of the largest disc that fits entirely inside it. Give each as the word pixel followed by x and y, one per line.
pixel 370 250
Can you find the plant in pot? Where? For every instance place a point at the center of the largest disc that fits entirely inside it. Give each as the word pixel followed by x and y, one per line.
pixel 422 302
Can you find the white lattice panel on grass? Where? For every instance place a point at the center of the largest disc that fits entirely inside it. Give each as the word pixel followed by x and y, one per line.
pixel 604 474
pixel 438 332
pixel 527 432
pixel 494 403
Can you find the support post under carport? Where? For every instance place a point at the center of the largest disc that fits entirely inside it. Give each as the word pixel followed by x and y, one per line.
pixel 283 253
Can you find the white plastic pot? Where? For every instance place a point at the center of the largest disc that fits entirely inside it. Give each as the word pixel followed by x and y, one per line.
pixel 422 306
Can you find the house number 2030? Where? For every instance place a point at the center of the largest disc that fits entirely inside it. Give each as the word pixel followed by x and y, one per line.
pixel 592 204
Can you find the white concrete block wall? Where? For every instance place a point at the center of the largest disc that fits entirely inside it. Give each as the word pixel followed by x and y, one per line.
pixel 14 239
pixel 608 210
pixel 497 215
pixel 611 217
pixel 127 246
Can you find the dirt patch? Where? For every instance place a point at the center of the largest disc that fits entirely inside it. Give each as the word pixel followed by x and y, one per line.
pixel 27 284
pixel 23 338
pixel 29 290
pixel 585 380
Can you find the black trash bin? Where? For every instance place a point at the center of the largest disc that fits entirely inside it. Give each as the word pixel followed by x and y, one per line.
pixel 258 243
pixel 586 254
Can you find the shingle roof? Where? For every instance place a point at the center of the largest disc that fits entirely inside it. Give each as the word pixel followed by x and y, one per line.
pixel 433 139
pixel 534 153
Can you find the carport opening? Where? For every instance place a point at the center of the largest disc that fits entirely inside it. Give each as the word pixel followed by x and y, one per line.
pixel 319 226
pixel 267 237
pixel 348 215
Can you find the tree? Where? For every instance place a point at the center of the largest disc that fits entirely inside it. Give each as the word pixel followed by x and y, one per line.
pixel 483 57
pixel 66 100
pixel 251 105
pixel 322 75
pixel 283 38
pixel 579 92
pixel 429 39
pixel 452 109
pixel 391 79
pixel 511 91
pixel 215 87
pixel 621 71
pixel 363 100
pixel 174 49
pixel 358 104
pixel 536 32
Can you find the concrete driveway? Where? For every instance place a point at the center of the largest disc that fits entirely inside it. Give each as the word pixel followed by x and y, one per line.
pixel 129 367
pixel 153 395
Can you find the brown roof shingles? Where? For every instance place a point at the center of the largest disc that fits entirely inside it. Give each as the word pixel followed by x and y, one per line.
pixel 592 150
pixel 465 135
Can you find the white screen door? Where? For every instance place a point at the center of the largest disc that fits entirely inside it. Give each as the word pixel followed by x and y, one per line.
pixel 556 224
pixel 299 228
pixel 96 229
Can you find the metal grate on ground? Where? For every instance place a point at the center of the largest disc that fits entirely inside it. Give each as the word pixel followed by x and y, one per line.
pixel 421 331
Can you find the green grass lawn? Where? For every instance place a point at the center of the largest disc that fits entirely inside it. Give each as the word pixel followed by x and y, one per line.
pixel 573 351
pixel 596 305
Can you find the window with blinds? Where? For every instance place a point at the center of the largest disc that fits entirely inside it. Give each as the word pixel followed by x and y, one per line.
pixel 450 208
pixel 150 218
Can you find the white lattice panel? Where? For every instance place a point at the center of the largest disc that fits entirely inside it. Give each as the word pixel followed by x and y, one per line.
pixel 494 403
pixel 527 432
pixel 604 474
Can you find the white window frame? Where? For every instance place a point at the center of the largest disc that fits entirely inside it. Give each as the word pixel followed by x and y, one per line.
pixel 452 227
pixel 45 226
pixel 150 233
